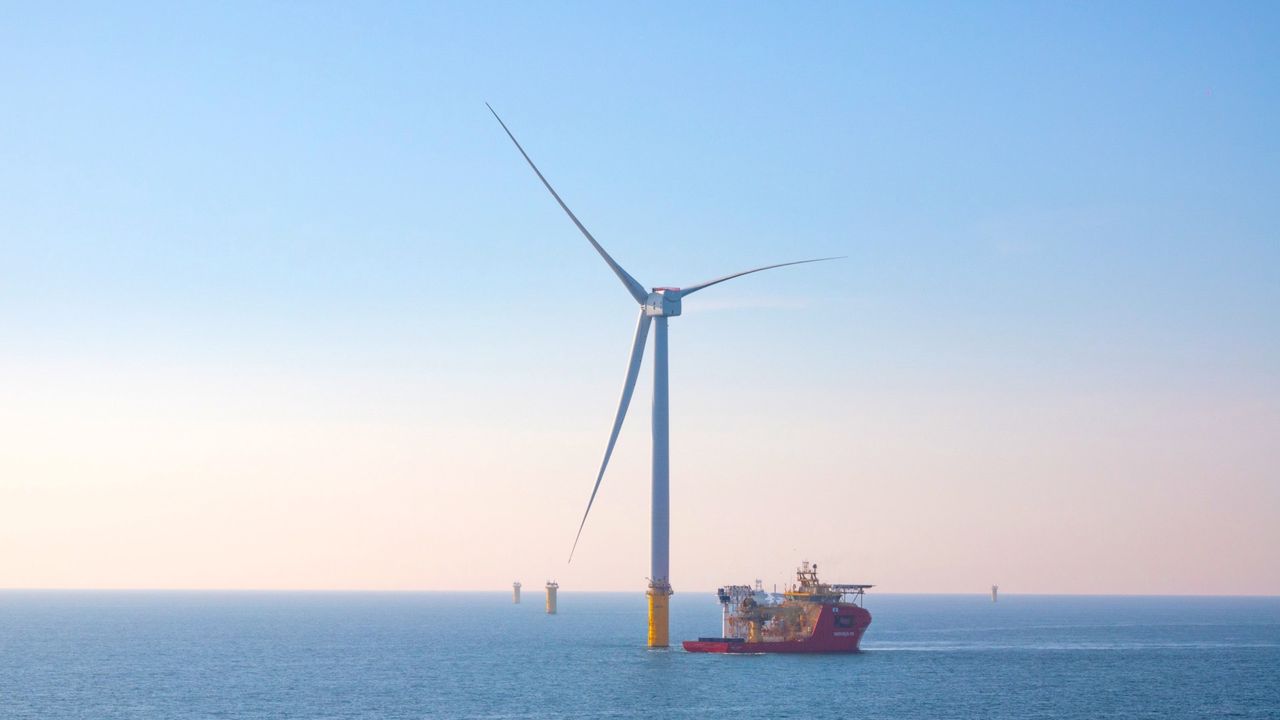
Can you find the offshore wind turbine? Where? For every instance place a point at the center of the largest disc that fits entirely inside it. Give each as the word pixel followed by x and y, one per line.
pixel 656 305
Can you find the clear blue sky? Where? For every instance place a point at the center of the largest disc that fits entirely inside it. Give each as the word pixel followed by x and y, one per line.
pixel 1041 204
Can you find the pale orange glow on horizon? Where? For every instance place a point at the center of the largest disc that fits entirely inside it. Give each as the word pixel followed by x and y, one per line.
pixel 204 479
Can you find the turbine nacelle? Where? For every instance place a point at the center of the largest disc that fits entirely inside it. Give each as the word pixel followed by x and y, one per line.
pixel 663 302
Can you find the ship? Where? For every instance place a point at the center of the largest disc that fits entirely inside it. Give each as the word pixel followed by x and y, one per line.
pixel 809 617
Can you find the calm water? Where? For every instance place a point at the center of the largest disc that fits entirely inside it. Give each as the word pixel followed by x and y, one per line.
pixel 337 655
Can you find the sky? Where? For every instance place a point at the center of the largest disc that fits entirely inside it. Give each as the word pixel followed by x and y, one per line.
pixel 281 307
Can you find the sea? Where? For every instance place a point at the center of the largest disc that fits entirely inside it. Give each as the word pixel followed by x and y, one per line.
pixel 99 655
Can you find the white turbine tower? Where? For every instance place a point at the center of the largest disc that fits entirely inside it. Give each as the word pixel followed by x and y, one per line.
pixel 657 304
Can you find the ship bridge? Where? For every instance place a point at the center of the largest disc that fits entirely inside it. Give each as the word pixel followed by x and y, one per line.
pixel 808 588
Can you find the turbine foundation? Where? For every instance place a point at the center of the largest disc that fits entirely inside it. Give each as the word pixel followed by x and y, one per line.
pixel 659 609
pixel 552 586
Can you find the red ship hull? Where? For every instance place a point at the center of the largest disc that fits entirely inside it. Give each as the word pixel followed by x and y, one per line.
pixel 839 629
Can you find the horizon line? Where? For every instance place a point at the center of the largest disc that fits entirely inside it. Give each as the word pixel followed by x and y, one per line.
pixel 506 592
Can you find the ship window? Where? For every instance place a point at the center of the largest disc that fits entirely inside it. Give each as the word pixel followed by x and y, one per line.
pixel 844 621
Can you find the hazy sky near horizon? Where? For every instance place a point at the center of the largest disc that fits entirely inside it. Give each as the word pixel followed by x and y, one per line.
pixel 282 307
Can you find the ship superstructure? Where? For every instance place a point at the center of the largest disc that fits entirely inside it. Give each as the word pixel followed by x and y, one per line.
pixel 810 616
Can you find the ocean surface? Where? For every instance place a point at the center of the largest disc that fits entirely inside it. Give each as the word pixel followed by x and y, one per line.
pixel 104 655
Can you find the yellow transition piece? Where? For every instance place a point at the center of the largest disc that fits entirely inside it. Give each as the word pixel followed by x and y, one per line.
pixel 658 612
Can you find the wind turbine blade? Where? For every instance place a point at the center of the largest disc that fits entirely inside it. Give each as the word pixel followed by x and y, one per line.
pixel 628 386
pixel 691 290
pixel 635 288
